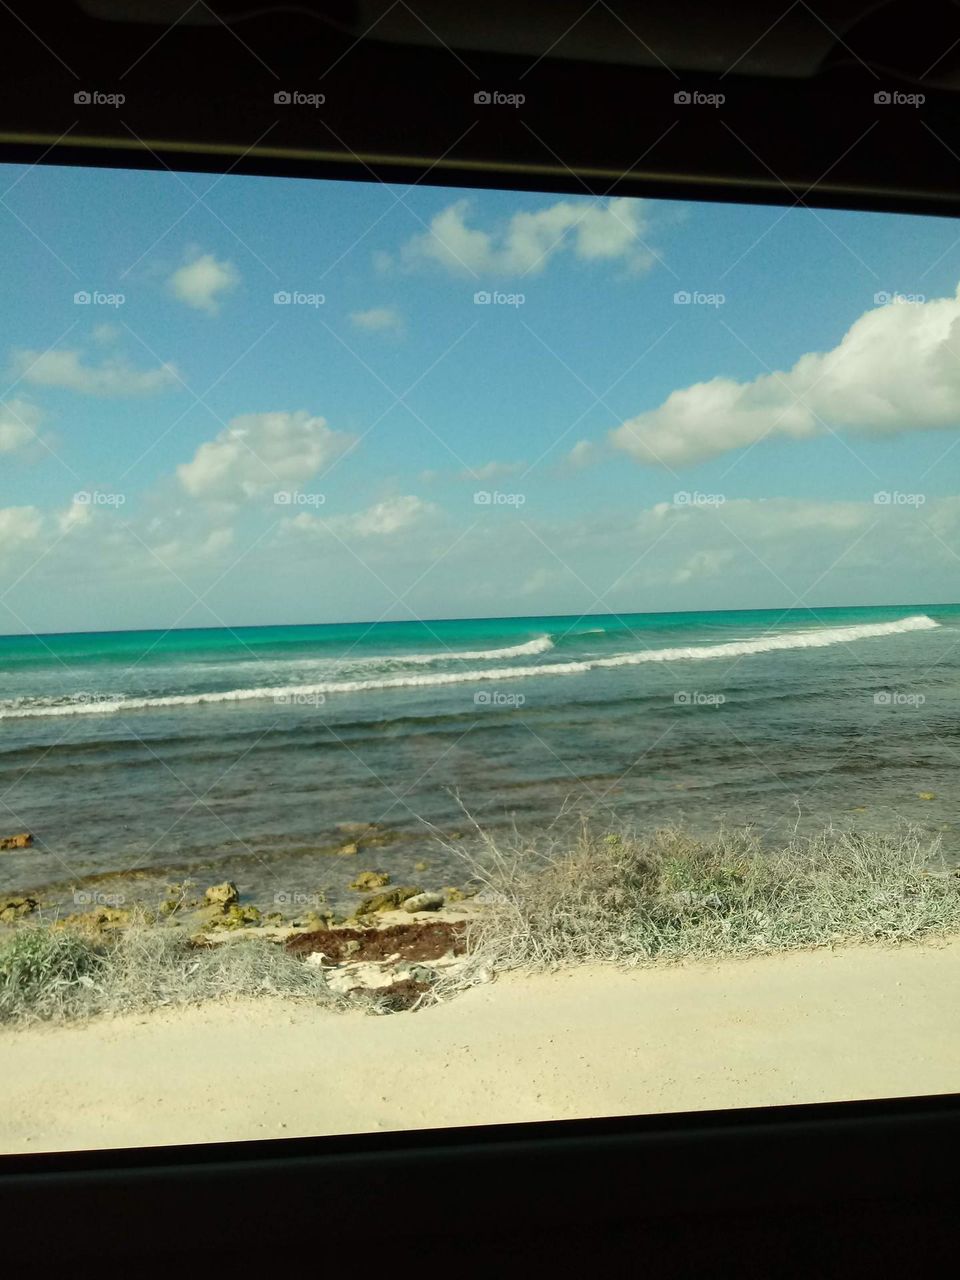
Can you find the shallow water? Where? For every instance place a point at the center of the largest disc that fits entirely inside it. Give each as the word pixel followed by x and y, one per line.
pixel 238 752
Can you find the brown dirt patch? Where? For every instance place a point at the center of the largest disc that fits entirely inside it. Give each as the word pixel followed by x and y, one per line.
pixel 417 941
pixel 397 998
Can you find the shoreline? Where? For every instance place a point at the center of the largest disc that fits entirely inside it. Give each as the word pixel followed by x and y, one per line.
pixel 804 1026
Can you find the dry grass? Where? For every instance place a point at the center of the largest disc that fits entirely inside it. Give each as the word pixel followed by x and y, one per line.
pixel 620 897
pixel 63 973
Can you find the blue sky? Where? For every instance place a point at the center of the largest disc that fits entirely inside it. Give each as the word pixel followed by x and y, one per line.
pixel 640 452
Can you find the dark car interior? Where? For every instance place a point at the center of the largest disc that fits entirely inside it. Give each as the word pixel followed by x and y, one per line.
pixel 767 101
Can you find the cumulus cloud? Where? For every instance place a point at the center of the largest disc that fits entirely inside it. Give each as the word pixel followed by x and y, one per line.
pixel 601 230
pixel 113 377
pixel 18 425
pixel 896 369
pixel 582 454
pixel 19 525
pixel 378 319
pixel 259 453
pixel 201 282
pixel 393 515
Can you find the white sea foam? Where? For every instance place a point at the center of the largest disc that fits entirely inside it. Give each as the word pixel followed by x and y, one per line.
pixel 770 643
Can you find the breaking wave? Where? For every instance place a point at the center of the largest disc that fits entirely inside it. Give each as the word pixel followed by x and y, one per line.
pixel 82 704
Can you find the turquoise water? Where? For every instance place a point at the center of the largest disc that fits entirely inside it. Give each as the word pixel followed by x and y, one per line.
pixel 239 751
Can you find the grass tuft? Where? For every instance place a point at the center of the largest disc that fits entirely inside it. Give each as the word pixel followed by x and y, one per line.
pixel 630 899
pixel 59 974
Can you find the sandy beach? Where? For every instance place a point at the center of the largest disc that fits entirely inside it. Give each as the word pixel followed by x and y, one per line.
pixel 862 1022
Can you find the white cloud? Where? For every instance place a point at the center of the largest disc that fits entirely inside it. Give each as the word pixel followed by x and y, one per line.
pixel 260 453
pixel 19 525
pixel 393 515
pixel 18 425
pixel 201 282
pixel 66 369
pixel 582 454
pixel 897 369
pixel 601 230
pixel 703 564
pixel 378 319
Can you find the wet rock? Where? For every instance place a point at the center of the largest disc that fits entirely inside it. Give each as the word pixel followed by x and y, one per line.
pixel 388 901
pixel 15 908
pixel 235 917
pixel 23 840
pixel 349 849
pixel 368 880
pixel 926 795
pixel 421 866
pixel 222 894
pixel 424 902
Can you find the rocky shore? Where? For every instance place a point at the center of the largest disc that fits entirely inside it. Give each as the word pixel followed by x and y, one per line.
pixel 392 948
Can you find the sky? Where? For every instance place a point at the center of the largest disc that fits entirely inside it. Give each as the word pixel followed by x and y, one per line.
pixel 240 401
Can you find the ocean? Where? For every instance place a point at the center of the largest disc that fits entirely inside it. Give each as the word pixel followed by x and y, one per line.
pixel 143 758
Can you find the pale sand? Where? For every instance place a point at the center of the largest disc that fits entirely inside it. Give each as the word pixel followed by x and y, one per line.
pixel 807 1027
